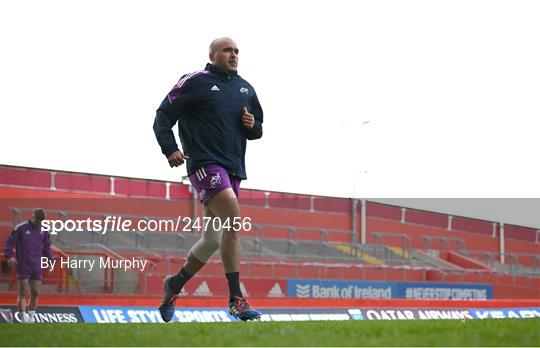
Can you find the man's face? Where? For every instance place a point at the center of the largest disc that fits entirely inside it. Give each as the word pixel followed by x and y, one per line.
pixel 225 56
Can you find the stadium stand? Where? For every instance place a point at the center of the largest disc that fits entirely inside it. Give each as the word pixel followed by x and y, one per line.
pixel 292 236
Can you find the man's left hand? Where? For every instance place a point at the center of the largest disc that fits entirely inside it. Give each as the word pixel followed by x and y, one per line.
pixel 247 119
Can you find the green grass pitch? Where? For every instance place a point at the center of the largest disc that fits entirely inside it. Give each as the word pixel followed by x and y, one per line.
pixel 501 332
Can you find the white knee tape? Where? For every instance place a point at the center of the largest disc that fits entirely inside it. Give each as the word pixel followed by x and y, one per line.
pixel 207 245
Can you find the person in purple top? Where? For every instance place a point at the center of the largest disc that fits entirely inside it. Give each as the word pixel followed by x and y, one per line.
pixel 23 249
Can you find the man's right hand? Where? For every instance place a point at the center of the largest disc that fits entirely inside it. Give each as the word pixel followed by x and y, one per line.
pixel 177 158
pixel 11 262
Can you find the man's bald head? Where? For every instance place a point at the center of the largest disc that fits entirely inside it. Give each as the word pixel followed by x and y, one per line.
pixel 217 42
pixel 223 53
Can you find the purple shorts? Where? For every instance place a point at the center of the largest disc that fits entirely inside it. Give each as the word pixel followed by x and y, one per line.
pixel 34 275
pixel 211 179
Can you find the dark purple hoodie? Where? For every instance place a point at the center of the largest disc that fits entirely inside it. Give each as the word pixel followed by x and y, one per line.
pixel 30 243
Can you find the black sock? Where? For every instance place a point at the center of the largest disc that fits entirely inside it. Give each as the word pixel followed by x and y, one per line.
pixel 233 279
pixel 178 280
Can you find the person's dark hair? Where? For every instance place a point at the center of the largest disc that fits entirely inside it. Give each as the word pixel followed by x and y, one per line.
pixel 39 214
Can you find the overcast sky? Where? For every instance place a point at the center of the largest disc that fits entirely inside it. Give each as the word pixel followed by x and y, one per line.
pixel 365 99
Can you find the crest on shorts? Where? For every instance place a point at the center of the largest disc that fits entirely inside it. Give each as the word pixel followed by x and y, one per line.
pixel 215 180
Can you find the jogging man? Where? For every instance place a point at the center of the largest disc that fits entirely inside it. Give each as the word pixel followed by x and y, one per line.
pixel 217 111
pixel 30 243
